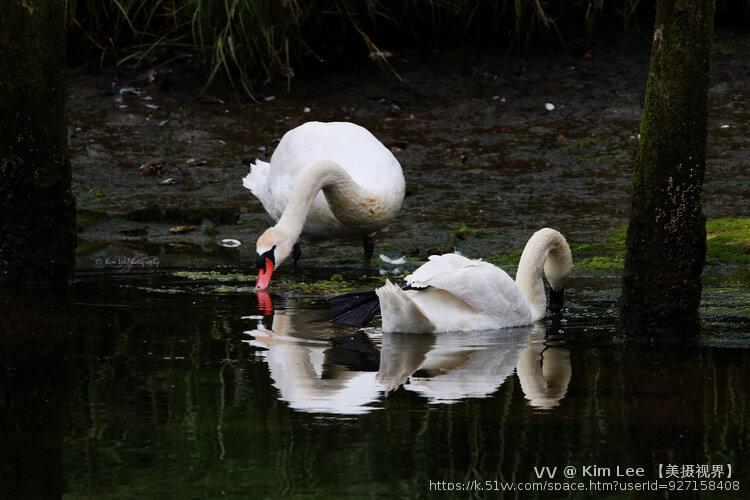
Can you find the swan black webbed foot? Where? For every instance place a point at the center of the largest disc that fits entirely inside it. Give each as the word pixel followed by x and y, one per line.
pixel 368 243
pixel 296 254
pixel 556 301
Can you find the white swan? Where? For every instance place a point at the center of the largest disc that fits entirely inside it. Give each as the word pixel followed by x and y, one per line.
pixel 324 180
pixel 455 293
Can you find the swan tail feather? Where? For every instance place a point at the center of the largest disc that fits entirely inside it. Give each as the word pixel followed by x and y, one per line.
pixel 354 309
pixel 400 313
pixel 257 179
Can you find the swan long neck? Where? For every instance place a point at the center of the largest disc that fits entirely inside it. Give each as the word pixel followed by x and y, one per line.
pixel 349 202
pixel 546 252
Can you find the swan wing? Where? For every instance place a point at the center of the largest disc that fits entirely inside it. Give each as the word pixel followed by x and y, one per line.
pixel 483 286
pixel 369 163
pixel 360 153
pixel 435 266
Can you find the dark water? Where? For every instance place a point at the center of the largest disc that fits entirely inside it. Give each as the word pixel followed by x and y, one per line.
pixel 123 391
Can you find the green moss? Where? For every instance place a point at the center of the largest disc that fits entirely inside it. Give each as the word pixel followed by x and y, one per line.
pixel 599 263
pixel 336 277
pixel 87 218
pixel 588 142
pixel 96 192
pixel 583 248
pixel 232 289
pixel 169 291
pixel 463 231
pixel 617 237
pixel 332 287
pixel 209 229
pixel 728 240
pixel 506 260
pixel 214 276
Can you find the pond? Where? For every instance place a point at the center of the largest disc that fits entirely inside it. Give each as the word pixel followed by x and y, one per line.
pixel 163 374
pixel 147 385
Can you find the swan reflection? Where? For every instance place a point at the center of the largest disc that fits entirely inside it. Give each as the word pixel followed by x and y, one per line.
pixel 302 369
pixel 446 368
pixel 350 374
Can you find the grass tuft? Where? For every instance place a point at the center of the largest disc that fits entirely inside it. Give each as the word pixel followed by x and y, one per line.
pixel 246 41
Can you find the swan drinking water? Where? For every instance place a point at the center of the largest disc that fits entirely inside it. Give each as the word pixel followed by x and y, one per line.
pixel 324 180
pixel 453 293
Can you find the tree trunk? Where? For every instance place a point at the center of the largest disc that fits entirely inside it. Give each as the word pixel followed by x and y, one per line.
pixel 37 210
pixel 666 241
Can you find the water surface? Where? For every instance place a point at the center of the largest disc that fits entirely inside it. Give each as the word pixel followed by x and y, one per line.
pixel 124 390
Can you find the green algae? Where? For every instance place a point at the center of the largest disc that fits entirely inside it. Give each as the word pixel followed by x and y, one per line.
pixel 464 231
pixel 168 291
pixel 88 218
pixel 600 263
pixel 728 243
pixel 336 285
pixel 505 261
pixel 214 276
pixel 232 289
pixel 209 229
pixel 728 240
pixel 96 192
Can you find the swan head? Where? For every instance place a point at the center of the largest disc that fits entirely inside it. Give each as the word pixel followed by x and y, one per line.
pixel 273 246
pixel 557 269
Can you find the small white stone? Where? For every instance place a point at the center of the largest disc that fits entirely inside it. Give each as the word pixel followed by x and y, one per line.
pixel 549 106
pixel 230 243
pixel 306 110
pixel 725 126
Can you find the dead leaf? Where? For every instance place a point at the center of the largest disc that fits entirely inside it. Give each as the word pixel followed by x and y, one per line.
pixel 181 229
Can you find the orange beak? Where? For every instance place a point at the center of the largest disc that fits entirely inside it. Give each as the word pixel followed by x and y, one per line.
pixel 264 275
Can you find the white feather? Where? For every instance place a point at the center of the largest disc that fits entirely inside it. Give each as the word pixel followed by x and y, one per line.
pixel 457 294
pixel 397 261
pixel 369 163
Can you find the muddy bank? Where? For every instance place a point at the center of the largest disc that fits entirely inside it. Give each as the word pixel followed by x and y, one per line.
pixel 486 162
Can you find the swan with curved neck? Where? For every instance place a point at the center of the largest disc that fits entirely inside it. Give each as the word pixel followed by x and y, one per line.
pixel 325 180
pixel 453 293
